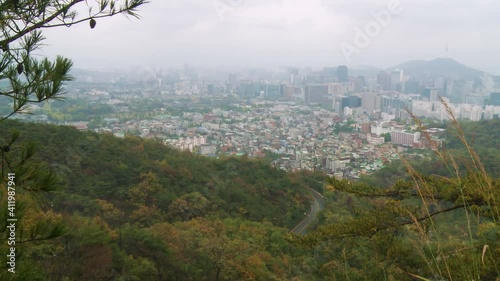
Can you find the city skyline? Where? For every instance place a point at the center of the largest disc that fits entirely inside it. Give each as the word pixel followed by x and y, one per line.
pixel 237 33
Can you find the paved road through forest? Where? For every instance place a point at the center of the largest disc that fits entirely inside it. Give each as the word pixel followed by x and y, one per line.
pixel 317 205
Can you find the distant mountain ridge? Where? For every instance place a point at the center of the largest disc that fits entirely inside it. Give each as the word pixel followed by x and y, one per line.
pixel 445 67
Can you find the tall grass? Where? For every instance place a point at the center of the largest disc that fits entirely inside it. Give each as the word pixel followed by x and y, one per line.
pixel 474 252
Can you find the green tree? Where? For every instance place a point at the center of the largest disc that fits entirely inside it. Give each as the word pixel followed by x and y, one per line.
pixel 188 206
pixel 387 137
pixel 426 228
pixel 26 79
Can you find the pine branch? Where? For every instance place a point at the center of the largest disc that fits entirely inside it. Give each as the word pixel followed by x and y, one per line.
pixel 432 215
pixel 38 25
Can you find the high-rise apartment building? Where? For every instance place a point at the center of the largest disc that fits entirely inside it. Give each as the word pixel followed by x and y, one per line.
pixel 249 90
pixel 351 102
pixel 404 138
pixel 370 102
pixel 272 91
pixel 343 74
pixel 412 87
pixel 495 99
pixel 318 93
pixel 384 80
pixel 335 89
pixel 396 80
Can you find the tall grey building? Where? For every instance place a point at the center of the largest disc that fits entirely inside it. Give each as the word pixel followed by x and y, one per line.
pixel 343 74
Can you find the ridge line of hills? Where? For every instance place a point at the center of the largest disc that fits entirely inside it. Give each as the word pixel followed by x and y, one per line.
pixel 444 67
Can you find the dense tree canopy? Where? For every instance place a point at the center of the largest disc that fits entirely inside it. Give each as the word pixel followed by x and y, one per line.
pixel 25 79
pixel 133 208
pixel 427 224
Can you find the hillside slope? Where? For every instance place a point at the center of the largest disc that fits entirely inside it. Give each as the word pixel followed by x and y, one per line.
pixel 444 67
pixel 100 166
pixel 134 209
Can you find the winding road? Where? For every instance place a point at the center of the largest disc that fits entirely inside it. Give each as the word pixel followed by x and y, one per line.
pixel 317 205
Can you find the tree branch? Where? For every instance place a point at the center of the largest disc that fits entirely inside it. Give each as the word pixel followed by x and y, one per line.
pixel 432 214
pixel 39 24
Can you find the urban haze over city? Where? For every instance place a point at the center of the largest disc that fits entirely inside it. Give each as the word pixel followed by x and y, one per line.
pixel 274 33
pixel 284 77
pixel 255 140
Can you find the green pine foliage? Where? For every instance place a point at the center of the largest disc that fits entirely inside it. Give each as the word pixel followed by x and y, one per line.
pixel 429 225
pixel 134 209
pixel 131 173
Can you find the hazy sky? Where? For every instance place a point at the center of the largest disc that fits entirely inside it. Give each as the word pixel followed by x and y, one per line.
pixel 273 33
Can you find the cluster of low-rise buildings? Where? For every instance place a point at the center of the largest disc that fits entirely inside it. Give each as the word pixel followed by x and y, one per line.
pixel 304 119
pixel 297 137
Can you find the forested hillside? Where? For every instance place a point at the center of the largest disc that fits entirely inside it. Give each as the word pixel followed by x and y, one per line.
pixel 137 210
pixel 432 219
pixel 95 207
